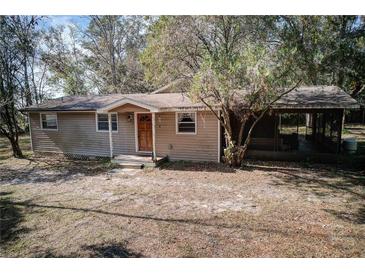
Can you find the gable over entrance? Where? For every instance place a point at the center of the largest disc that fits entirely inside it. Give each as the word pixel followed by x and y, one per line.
pixel 127 102
pixel 129 108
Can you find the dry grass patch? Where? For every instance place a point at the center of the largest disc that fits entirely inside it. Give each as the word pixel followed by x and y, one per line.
pixel 188 213
pixel 54 207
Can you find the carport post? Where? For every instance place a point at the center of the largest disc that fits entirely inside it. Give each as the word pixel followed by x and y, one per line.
pixel 339 130
pixel 153 136
pixel 110 135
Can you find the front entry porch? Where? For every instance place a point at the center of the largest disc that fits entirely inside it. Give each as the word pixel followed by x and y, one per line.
pixel 132 142
pixel 140 123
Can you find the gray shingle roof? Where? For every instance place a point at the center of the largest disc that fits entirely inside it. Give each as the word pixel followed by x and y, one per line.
pixel 95 102
pixel 302 98
pixel 309 97
pixel 317 97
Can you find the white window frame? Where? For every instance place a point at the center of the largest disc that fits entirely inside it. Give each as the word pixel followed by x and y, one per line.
pixel 111 113
pixel 41 123
pixel 177 123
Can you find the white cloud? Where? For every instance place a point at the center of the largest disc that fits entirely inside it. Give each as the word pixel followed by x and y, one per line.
pixel 55 21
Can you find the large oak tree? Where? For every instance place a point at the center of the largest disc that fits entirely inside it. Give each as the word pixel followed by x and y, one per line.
pixel 227 62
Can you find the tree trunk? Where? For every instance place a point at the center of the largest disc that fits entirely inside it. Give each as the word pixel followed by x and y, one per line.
pixel 235 152
pixel 238 154
pixel 17 152
pixel 28 93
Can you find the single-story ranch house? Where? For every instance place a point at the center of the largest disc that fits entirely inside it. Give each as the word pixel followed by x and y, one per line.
pixel 164 123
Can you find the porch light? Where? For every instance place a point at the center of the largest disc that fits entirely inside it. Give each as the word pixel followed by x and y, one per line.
pixel 130 117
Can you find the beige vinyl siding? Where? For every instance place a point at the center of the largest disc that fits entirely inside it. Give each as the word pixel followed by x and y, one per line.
pixel 42 140
pixel 76 135
pixel 124 140
pixel 202 146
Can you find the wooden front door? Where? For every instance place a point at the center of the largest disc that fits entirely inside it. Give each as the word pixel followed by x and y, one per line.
pixel 144 122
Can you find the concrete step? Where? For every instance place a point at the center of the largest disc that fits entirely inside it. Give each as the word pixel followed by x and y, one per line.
pixel 128 164
pixel 135 162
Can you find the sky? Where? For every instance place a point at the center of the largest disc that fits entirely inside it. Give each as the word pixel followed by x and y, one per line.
pixel 65 20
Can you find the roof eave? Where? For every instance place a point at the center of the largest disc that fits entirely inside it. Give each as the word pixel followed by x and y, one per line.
pixel 314 106
pixel 55 110
pixel 187 108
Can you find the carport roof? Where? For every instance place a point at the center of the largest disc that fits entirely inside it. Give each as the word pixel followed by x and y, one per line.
pixel 317 97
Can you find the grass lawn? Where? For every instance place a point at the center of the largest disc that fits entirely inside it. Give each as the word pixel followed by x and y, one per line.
pixel 54 207
pixel 5 148
pixel 292 129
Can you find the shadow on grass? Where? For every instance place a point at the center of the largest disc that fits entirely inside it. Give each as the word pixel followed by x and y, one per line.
pixel 322 184
pixel 11 217
pixel 197 166
pixel 357 217
pixel 104 250
pixel 199 222
pixel 325 182
pixel 111 250
pixel 315 178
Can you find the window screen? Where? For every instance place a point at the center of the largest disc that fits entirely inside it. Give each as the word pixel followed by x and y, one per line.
pixel 186 122
pixel 103 124
pixel 49 121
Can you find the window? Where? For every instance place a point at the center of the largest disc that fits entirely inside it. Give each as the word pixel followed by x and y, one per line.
pixel 186 122
pixel 49 121
pixel 103 124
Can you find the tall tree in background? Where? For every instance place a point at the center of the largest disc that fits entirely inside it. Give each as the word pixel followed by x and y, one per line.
pixel 330 50
pixel 346 52
pixel 23 76
pixel 25 30
pixel 65 60
pixel 113 44
pixel 302 33
pixel 11 65
pixel 228 62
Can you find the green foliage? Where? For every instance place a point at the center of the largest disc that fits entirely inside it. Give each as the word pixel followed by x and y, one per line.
pixel 101 58
pixel 330 49
pixel 16 45
pixel 327 50
pixel 160 50
pixel 238 63
pixel 113 45
pixel 65 61
pixel 218 55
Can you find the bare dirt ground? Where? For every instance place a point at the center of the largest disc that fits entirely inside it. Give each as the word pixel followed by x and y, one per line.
pixel 53 207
